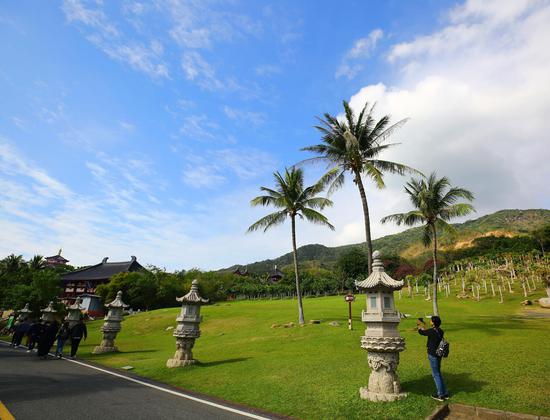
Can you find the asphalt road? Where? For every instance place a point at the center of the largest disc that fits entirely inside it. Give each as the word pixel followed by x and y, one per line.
pixel 32 388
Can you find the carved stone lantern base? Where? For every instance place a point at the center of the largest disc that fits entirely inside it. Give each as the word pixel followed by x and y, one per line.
pixel 384 383
pixel 184 354
pixel 107 344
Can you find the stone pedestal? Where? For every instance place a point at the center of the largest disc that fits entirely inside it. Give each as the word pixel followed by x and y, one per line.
pixel 381 339
pixel 111 326
pixel 184 353
pixel 384 383
pixel 187 330
pixel 48 313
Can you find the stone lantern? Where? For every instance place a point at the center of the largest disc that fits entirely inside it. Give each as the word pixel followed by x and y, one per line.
pixel 24 313
pixel 48 313
pixel 381 339
pixel 74 312
pixel 111 326
pixel 187 330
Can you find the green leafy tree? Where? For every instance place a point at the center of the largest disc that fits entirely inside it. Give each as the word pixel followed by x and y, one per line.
pixel 435 203
pixel 353 264
pixel 294 200
pixel 353 145
pixel 36 263
pixel 542 236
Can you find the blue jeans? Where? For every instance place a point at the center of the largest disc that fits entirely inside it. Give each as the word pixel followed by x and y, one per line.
pixel 60 344
pixel 435 364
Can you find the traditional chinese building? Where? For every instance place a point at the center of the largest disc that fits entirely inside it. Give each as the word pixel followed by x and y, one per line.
pixel 275 275
pixel 56 260
pixel 241 271
pixel 83 282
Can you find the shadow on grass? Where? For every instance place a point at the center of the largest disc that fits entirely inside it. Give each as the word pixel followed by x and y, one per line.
pixel 222 362
pixel 454 382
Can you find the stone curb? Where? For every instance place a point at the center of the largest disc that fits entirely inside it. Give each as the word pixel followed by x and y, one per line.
pixel 463 411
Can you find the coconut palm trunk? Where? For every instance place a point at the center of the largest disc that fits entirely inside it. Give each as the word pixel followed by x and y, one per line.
pixel 295 254
pixel 366 215
pixel 434 256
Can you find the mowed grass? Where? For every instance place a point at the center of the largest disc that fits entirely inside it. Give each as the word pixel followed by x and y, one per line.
pixel 500 358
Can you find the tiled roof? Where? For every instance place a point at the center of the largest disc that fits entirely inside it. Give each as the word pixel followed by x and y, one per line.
pixel 103 270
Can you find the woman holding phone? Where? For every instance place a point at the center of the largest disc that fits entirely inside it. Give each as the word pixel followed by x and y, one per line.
pixel 434 334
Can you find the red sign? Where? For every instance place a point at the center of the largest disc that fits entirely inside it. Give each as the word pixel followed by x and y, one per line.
pixel 349 298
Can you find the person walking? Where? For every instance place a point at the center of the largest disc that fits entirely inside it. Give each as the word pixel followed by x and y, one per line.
pixel 62 336
pixel 33 334
pixel 47 339
pixel 435 335
pixel 19 332
pixel 78 332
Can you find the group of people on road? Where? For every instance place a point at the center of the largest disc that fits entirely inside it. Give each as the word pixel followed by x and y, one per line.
pixel 43 334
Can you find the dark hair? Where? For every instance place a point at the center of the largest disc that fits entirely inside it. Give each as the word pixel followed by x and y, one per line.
pixel 436 320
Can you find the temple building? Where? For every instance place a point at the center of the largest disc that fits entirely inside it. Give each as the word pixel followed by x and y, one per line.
pixel 83 282
pixel 56 260
pixel 275 275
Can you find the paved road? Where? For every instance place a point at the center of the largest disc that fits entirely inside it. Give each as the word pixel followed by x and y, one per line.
pixel 58 389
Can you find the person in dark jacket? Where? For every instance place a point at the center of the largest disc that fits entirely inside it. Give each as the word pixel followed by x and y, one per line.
pixel 34 333
pixel 62 336
pixel 47 339
pixel 78 332
pixel 19 332
pixel 434 334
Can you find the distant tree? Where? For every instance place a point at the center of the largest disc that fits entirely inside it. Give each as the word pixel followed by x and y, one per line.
pixel 294 200
pixel 435 203
pixel 36 263
pixel 353 145
pixel 542 236
pixel 353 263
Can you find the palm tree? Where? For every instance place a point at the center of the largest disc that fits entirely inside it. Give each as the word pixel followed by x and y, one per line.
pixel 293 200
pixel 36 263
pixel 353 145
pixel 12 263
pixel 436 204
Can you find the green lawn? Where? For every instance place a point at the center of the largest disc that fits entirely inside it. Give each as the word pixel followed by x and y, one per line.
pixel 499 357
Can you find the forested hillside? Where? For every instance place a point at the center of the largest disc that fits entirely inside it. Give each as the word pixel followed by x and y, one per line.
pixel 407 244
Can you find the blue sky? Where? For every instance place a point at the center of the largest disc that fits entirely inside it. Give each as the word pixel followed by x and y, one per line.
pixel 145 128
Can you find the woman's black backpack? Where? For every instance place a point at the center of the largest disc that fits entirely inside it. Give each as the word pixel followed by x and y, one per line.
pixel 443 348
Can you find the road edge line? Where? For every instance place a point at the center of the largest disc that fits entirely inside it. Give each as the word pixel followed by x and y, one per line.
pixel 159 388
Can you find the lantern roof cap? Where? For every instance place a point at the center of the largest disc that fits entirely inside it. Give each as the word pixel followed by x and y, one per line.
pixel 379 279
pixel 117 303
pixel 76 305
pixel 49 308
pixel 193 295
pixel 25 310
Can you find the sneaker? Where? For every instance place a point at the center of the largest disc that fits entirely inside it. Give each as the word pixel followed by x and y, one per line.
pixel 446 396
pixel 438 398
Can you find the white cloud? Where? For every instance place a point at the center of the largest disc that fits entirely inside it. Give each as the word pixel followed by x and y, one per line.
pixel 478 95
pixel 105 35
pixel 353 60
pixel 244 117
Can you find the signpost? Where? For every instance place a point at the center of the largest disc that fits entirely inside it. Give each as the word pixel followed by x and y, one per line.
pixel 349 298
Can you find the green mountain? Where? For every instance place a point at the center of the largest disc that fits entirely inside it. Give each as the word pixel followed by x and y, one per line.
pixel 407 244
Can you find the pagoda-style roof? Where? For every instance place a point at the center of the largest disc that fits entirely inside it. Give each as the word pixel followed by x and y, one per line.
pixel 117 303
pixel 49 308
pixel 76 305
pixel 103 270
pixel 275 274
pixel 57 258
pixel 379 279
pixel 193 295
